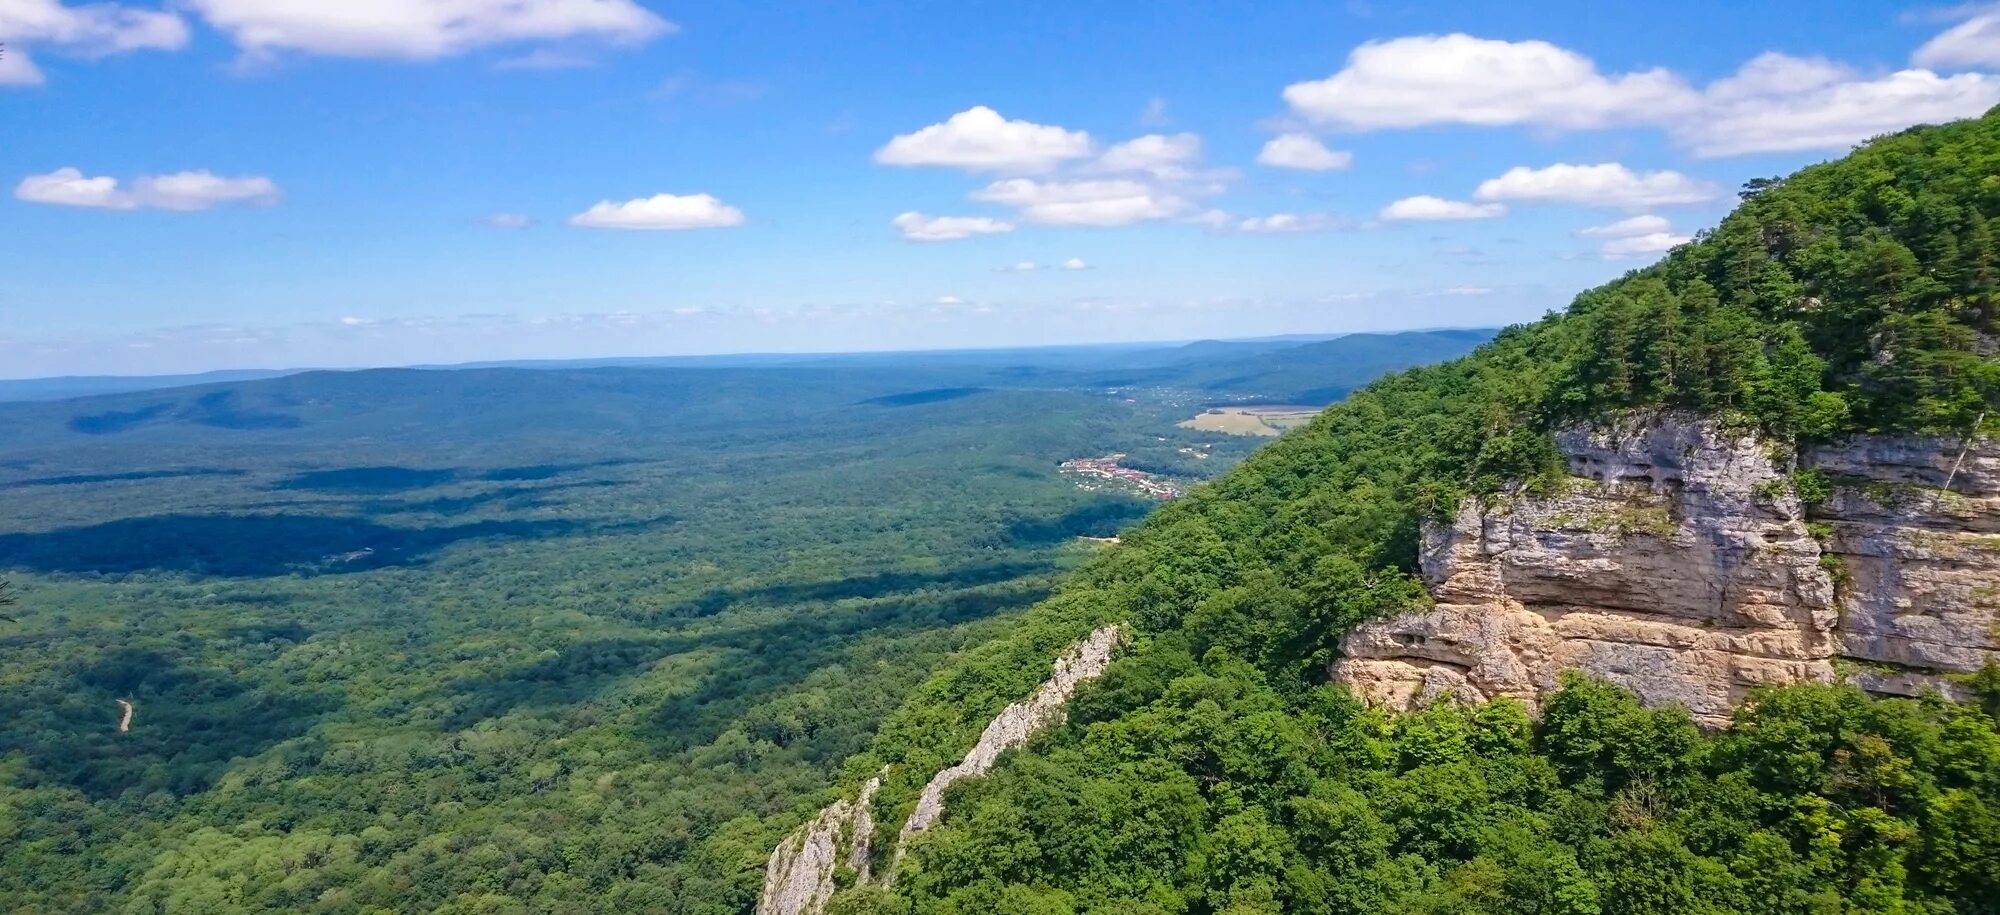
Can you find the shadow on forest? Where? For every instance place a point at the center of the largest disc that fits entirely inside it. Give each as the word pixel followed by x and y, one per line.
pixel 261 545
pixel 80 479
pixel 189 723
pixel 1098 519
pixel 218 409
pixel 915 398
pixel 392 479
pixel 762 660
pixel 879 584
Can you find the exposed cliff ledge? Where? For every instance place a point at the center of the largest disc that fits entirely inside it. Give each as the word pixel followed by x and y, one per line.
pixel 1680 563
pixel 799 877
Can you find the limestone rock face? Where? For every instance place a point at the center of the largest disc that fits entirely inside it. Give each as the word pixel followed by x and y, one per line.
pixel 1679 563
pixel 1922 562
pixel 1085 661
pixel 799 876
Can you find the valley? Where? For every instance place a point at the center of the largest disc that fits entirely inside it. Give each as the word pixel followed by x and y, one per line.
pixel 407 614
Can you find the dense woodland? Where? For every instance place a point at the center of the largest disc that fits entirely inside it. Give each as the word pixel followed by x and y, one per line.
pixel 1213 770
pixel 525 641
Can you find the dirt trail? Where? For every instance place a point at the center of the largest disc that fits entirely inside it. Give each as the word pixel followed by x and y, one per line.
pixel 125 721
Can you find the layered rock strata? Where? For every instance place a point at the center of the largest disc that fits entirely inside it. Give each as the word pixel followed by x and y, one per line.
pixel 1680 562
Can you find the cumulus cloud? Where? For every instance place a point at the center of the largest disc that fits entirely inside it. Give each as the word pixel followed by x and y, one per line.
pixel 1099 202
pixel 422 29
pixel 1774 103
pixel 979 139
pixel 88 31
pixel 68 187
pixel 1638 245
pixel 18 69
pixel 1075 263
pixel 660 212
pixel 1972 43
pixel 1284 223
pixel 1427 207
pixel 1644 224
pixel 1303 151
pixel 918 227
pixel 1608 184
pixel 1779 103
pixel 1460 79
pixel 183 191
pixel 1021 267
pixel 1152 153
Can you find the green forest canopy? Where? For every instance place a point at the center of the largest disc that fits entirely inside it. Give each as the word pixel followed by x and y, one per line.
pixel 1213 770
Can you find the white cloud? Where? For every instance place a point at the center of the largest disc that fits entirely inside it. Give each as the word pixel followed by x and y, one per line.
pixel 507 221
pixel 660 212
pixel 1303 151
pixel 422 29
pixel 918 227
pixel 1075 263
pixel 1972 43
pixel 1022 267
pixel 1460 79
pixel 1649 243
pixel 979 139
pixel 1284 223
pixel 1155 153
pixel 89 31
pixel 1778 103
pixel 183 191
pixel 93 30
pixel 1155 114
pixel 68 187
pixel 1774 103
pixel 18 69
pixel 1427 207
pixel 189 191
pixel 950 300
pixel 1105 202
pixel 1608 184
pixel 1465 290
pixel 1644 224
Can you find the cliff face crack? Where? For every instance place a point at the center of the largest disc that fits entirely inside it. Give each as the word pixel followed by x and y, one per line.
pixel 1717 590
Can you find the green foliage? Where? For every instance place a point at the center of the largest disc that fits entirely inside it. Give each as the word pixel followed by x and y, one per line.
pixel 1856 296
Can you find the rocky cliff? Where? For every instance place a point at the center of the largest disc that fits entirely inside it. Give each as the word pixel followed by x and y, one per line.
pixel 1680 561
pixel 799 876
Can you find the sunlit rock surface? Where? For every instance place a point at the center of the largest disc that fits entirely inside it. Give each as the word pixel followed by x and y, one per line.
pixel 1679 563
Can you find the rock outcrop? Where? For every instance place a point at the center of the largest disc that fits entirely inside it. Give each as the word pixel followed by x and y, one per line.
pixel 1680 563
pixel 799 877
pixel 1085 661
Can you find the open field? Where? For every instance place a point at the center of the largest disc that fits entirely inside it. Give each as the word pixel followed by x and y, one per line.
pixel 1251 420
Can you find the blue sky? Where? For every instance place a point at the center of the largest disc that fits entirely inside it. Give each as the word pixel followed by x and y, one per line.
pixel 266 183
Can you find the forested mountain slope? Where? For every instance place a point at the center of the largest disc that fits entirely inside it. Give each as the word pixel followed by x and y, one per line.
pixel 1215 769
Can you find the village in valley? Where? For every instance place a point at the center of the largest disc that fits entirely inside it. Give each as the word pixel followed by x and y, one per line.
pixel 1105 474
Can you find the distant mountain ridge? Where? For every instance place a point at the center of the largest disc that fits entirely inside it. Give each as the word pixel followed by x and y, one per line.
pixel 1421 345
